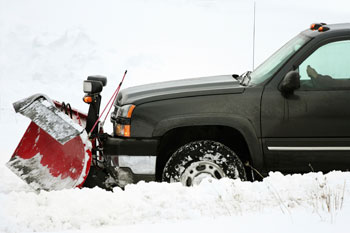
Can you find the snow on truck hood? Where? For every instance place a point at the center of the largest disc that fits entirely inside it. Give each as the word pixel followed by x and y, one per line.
pixel 213 85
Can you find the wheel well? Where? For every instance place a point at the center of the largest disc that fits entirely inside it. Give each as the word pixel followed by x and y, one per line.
pixel 178 137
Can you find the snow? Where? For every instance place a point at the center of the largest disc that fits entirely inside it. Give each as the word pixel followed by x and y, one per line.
pixel 47 181
pixel 322 200
pixel 51 46
pixel 41 177
pixel 56 123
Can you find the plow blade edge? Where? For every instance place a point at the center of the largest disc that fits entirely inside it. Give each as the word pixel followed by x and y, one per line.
pixel 55 152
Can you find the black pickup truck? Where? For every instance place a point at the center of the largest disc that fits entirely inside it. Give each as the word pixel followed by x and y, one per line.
pixel 291 114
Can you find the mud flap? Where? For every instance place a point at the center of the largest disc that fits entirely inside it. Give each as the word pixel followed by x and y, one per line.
pixel 55 152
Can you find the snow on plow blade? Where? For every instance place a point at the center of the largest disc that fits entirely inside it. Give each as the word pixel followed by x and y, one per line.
pixel 55 152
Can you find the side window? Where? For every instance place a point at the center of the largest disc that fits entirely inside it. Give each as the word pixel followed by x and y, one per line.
pixel 328 67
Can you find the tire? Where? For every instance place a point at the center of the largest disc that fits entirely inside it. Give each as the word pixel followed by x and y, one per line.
pixel 195 161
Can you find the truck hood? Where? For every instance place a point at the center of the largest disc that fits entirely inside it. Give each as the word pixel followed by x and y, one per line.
pixel 213 85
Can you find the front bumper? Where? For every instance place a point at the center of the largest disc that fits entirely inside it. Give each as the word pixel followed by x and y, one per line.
pixel 135 158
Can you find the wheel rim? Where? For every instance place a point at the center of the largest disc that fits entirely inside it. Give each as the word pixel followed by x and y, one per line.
pixel 198 171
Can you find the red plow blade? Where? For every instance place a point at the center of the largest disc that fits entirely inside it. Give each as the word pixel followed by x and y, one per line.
pixel 51 156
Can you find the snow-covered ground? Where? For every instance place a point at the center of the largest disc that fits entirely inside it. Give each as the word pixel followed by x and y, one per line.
pixel 309 203
pixel 51 46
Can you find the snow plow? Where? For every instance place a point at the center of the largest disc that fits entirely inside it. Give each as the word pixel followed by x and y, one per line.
pixel 60 144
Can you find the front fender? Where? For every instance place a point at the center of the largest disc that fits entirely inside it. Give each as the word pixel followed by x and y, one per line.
pixel 243 125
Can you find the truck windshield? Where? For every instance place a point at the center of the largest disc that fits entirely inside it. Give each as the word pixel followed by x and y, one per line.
pixel 274 62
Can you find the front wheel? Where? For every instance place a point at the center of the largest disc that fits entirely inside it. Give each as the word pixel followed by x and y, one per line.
pixel 198 160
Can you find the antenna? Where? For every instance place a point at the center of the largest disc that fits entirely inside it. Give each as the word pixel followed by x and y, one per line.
pixel 254 36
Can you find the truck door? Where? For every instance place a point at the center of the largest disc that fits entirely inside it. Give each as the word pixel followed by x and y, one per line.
pixel 310 130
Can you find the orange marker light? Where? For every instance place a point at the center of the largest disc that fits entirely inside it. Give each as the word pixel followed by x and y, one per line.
pixel 323 29
pixel 87 99
pixel 316 26
pixel 131 109
pixel 127 130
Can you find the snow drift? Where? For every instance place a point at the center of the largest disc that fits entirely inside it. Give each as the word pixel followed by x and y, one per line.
pixel 317 197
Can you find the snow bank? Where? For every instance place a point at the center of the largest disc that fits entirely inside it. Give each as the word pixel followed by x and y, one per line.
pixel 320 198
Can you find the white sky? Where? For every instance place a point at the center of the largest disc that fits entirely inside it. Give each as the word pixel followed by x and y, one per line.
pixel 167 39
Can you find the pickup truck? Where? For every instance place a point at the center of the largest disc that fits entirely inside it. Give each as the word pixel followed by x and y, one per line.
pixel 291 114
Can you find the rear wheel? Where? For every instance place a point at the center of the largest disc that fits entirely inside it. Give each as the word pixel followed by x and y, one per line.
pixel 199 160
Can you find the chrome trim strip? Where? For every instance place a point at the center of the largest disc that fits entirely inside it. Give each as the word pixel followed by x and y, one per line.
pixel 138 164
pixel 307 148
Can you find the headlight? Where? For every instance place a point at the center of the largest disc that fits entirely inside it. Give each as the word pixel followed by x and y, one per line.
pixel 125 111
pixel 122 120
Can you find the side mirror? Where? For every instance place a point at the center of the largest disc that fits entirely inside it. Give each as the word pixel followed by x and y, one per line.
pixel 290 83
